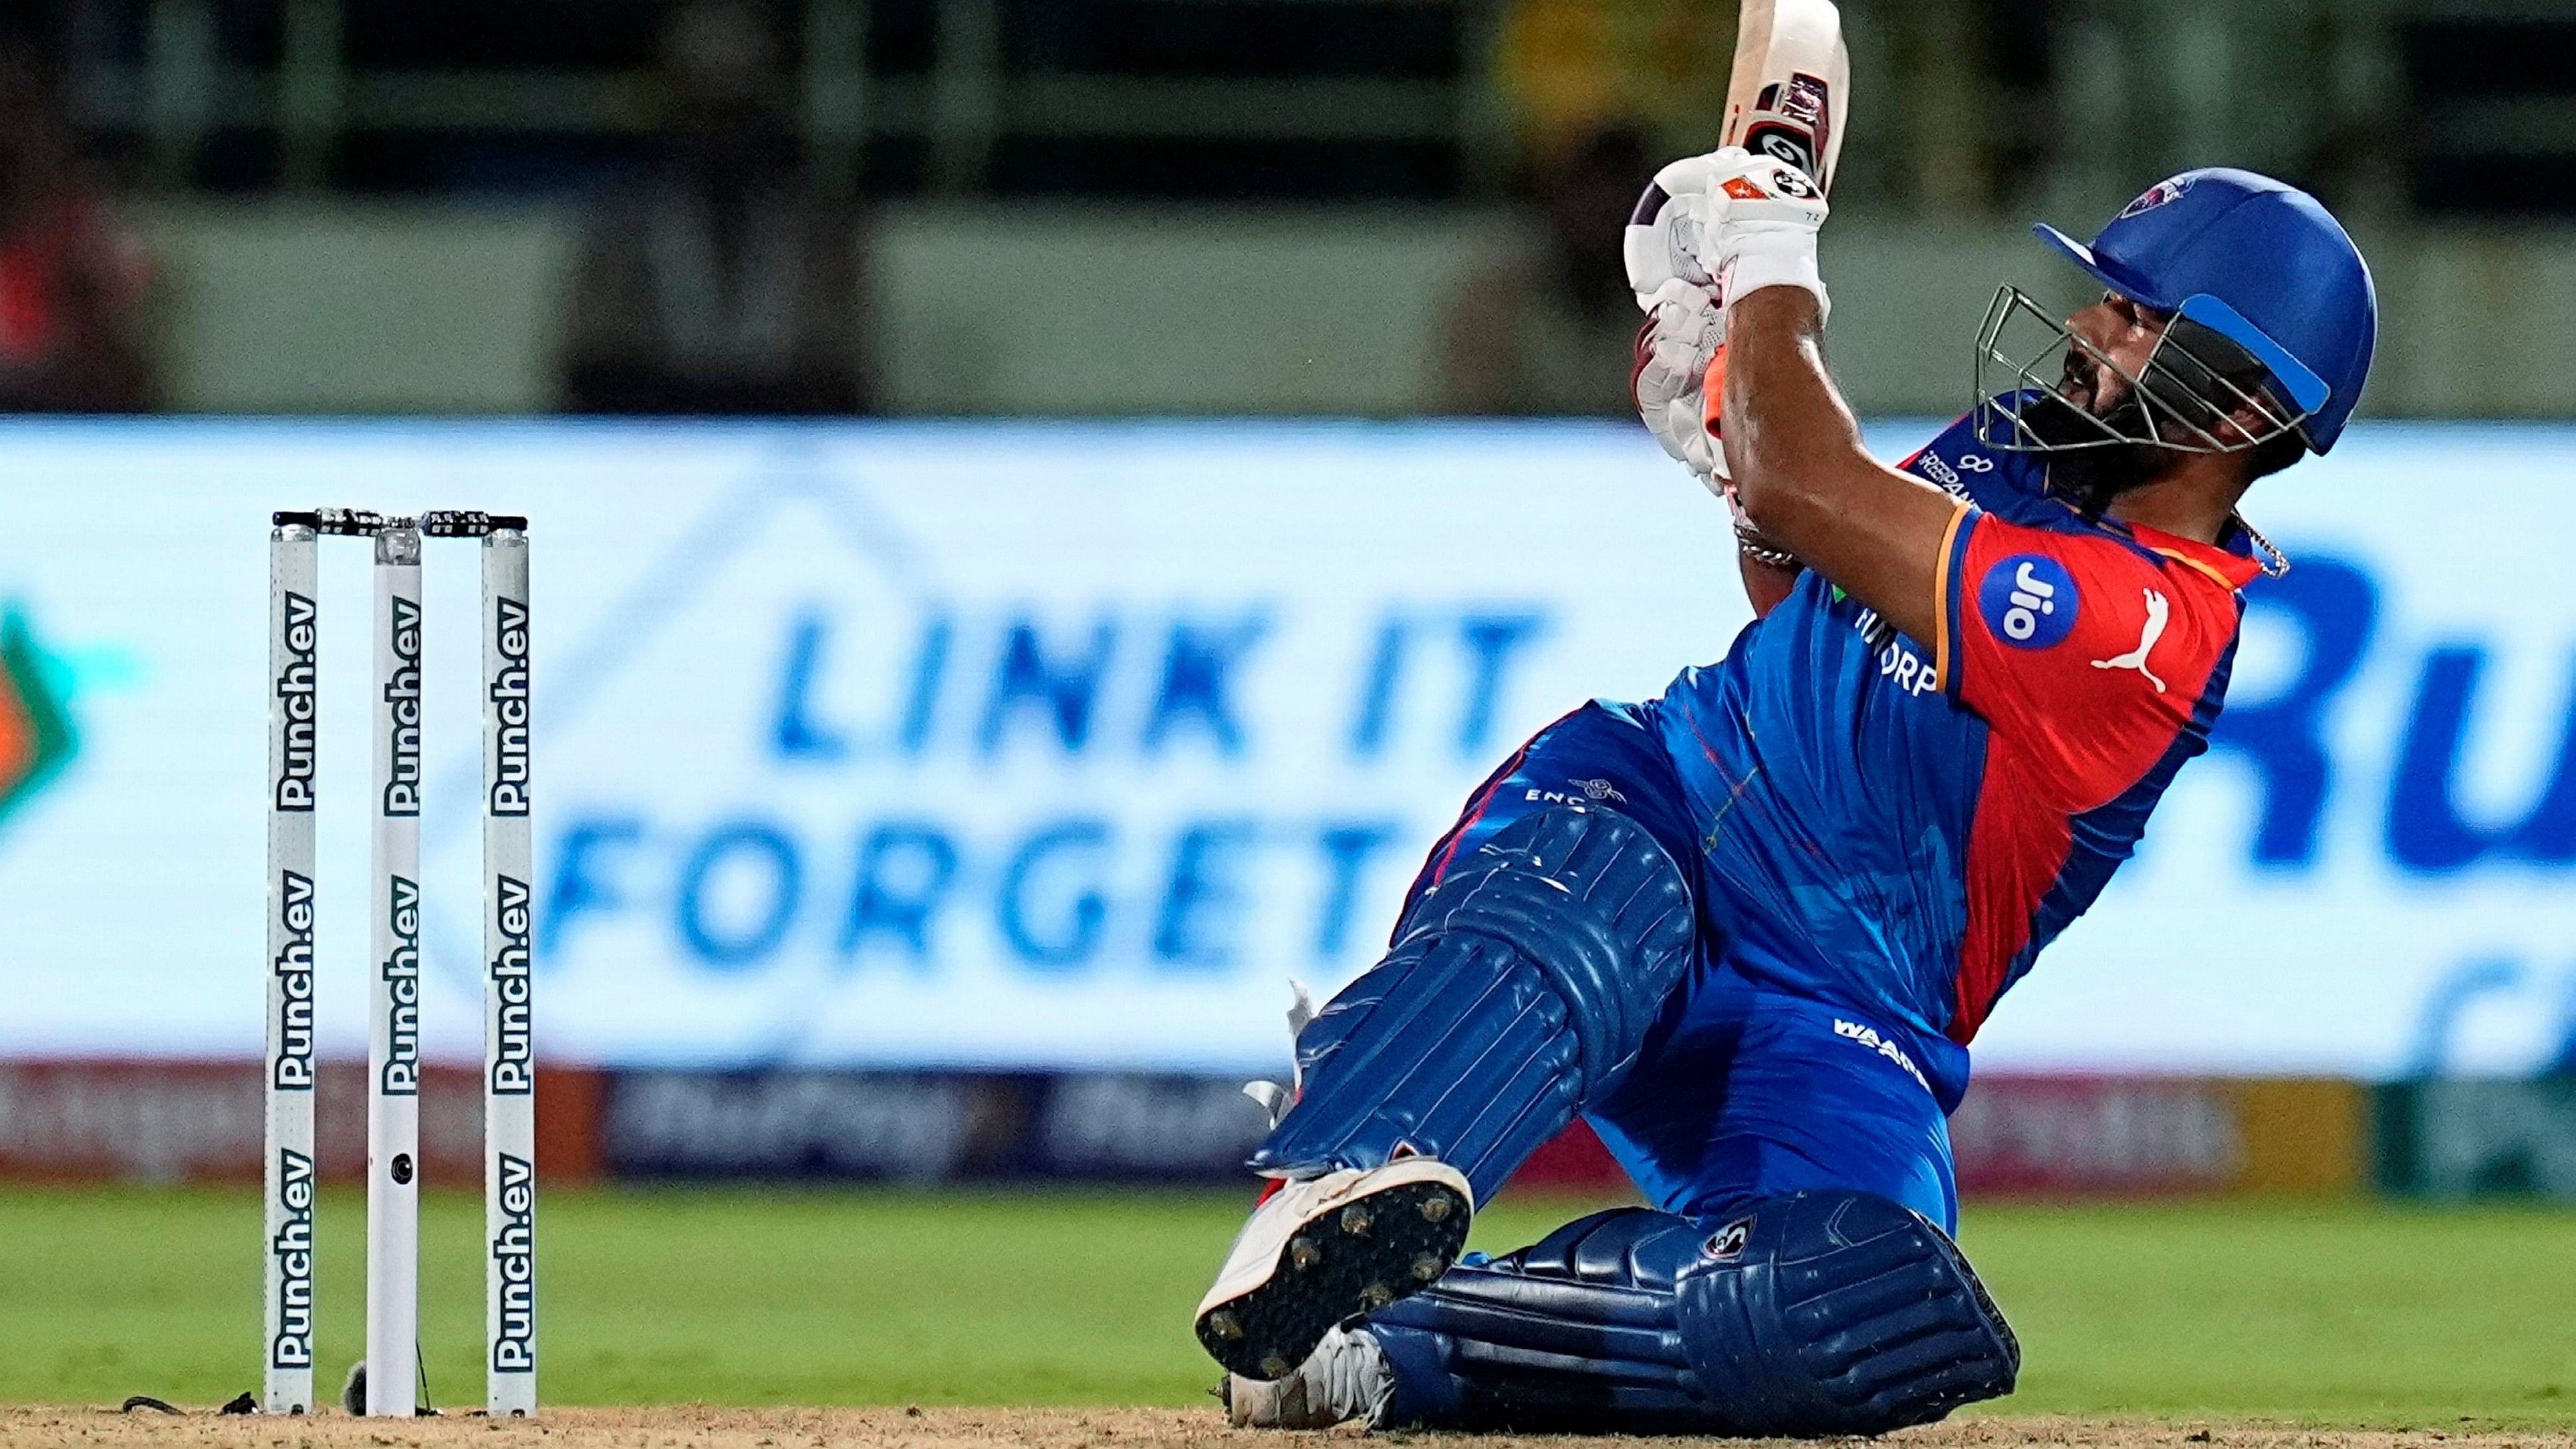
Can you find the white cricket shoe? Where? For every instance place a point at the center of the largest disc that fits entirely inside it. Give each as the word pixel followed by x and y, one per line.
pixel 1325 1249
pixel 1345 1378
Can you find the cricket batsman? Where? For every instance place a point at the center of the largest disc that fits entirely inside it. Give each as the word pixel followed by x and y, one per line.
pixel 1753 957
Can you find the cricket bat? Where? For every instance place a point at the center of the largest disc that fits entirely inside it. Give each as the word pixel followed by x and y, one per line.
pixel 1786 98
pixel 1789 91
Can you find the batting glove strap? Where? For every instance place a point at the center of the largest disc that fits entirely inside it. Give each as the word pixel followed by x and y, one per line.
pixel 1774 254
pixel 1761 220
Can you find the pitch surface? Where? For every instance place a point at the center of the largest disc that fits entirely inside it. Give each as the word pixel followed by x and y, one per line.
pixel 699 1427
pixel 2336 1314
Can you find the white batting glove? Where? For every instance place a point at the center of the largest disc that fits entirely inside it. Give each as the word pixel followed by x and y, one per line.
pixel 1730 221
pixel 1684 328
pixel 1684 333
pixel 1760 224
pixel 1686 320
pixel 1667 232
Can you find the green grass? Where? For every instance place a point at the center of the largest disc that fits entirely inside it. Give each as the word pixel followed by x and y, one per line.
pixel 2338 1313
pixel 2361 1312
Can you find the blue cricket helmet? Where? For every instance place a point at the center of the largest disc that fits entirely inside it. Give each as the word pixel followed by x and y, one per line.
pixel 2260 262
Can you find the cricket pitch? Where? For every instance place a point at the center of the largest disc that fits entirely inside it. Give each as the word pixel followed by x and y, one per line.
pixel 694 1427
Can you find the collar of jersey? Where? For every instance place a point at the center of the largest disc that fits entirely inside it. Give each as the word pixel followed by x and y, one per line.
pixel 2232 566
pixel 2229 567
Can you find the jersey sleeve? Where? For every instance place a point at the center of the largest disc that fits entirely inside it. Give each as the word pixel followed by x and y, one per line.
pixel 2087 654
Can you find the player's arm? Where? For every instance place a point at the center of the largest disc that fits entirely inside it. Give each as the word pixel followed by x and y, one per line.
pixel 1805 479
pixel 1768 570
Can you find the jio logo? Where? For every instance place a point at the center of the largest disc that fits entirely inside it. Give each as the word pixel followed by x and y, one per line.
pixel 2028 600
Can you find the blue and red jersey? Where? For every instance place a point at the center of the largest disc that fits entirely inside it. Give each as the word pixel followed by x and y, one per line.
pixel 1904 824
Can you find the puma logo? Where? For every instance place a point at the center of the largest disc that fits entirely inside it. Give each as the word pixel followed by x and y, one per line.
pixel 2137 658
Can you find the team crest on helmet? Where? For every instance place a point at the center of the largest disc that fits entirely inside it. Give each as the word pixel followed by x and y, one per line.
pixel 2156 195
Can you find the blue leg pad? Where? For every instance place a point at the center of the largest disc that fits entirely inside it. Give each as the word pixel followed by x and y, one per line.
pixel 1575 1334
pixel 1819 1313
pixel 1519 989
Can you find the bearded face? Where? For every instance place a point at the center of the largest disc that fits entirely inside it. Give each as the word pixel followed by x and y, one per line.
pixel 2127 394
pixel 2089 406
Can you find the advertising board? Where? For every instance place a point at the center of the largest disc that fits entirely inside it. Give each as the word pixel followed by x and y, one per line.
pixel 1048 747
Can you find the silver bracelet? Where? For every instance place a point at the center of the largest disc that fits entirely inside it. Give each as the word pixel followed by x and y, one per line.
pixel 1759 549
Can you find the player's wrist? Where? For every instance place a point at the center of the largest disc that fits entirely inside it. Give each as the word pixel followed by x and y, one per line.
pixel 1750 540
pixel 1753 544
